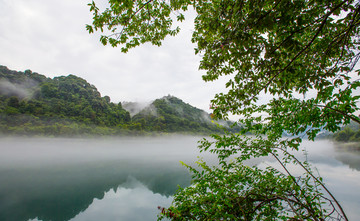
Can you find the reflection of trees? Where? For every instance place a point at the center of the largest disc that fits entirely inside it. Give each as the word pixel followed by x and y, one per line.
pixel 349 154
pixel 61 193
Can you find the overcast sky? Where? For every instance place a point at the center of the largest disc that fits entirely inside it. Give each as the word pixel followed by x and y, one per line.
pixel 49 37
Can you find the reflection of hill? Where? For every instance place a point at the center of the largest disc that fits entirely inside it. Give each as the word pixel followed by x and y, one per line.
pixel 349 154
pixel 60 193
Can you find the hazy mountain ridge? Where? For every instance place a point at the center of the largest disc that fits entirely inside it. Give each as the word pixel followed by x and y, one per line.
pixel 20 84
pixel 171 114
pixel 31 103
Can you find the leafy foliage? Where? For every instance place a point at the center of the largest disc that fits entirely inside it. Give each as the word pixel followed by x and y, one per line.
pixel 236 192
pixel 139 22
pixel 302 54
pixel 283 48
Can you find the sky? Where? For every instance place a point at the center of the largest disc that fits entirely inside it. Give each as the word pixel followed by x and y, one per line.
pixel 49 37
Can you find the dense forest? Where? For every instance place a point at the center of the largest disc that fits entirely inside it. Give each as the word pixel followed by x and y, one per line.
pixel 33 104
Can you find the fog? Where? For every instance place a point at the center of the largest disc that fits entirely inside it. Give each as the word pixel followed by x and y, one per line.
pixel 32 152
pixel 135 107
pixel 19 90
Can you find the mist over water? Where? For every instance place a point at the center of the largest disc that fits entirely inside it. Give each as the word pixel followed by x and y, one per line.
pixel 127 178
pixel 43 151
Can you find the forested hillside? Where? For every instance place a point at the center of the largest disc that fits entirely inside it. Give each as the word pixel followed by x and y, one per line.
pixel 31 103
pixel 171 114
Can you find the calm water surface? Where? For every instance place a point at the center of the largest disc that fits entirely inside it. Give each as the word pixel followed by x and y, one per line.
pixel 127 178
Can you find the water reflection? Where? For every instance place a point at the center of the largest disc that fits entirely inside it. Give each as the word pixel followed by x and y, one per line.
pixel 348 153
pixel 61 193
pixel 131 201
pixel 127 178
pixel 58 179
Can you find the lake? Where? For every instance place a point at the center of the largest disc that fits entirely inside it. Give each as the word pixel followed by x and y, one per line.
pixel 128 178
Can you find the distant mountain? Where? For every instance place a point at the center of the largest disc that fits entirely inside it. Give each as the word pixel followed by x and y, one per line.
pixel 31 103
pixel 171 114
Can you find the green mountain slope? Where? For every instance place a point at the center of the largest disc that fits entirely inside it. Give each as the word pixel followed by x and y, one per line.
pixel 31 103
pixel 171 114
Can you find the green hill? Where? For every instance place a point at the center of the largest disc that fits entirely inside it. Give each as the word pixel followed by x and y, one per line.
pixel 171 114
pixel 31 103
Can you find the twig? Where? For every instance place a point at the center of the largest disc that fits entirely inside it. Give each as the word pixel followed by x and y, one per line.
pixel 317 180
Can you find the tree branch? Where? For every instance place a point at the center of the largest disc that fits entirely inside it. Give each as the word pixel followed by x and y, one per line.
pixel 356 119
pixel 131 17
pixel 317 180
pixel 300 52
pixel 308 207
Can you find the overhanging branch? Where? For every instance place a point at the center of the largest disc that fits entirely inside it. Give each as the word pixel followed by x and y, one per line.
pixel 352 117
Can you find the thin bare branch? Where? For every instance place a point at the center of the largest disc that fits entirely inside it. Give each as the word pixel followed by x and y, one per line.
pixel 317 180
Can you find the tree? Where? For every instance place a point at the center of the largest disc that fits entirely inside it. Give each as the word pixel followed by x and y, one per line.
pixel 302 54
